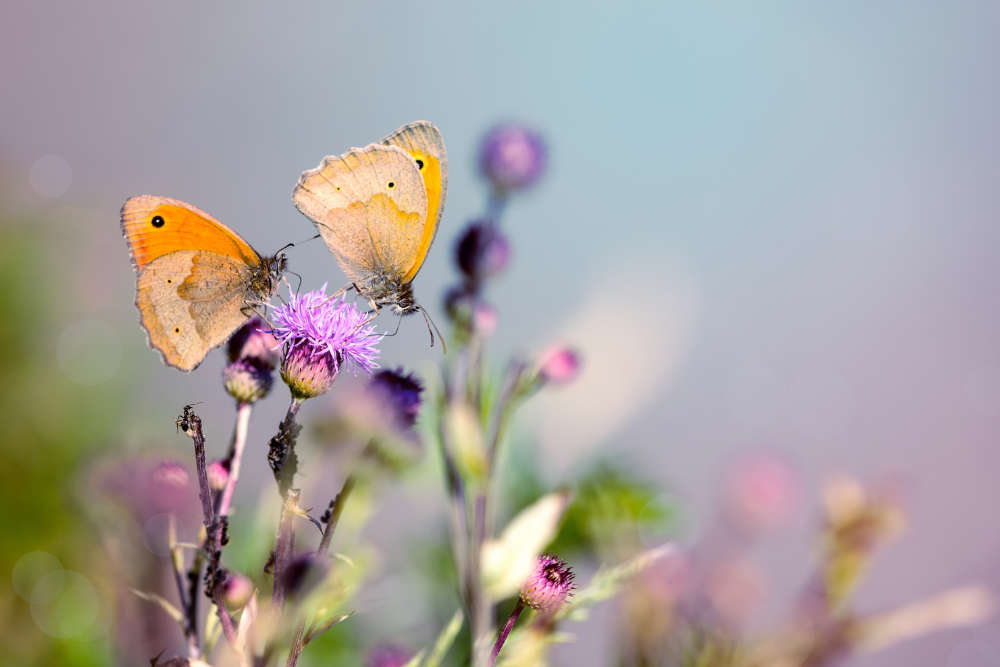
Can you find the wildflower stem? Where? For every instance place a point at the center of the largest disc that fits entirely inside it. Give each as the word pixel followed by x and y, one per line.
pixel 243 411
pixel 335 510
pixel 508 626
pixel 191 424
pixel 177 566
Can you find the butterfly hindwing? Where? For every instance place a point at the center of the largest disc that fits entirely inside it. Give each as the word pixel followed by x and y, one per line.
pixel 423 141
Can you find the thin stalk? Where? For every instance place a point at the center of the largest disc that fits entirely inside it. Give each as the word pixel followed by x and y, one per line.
pixel 177 566
pixel 508 626
pixel 243 411
pixel 284 544
pixel 336 509
pixel 190 423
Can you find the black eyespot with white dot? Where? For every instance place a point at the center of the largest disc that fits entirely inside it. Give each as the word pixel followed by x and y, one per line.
pixel 157 221
pixel 420 164
pixel 392 184
pixel 177 329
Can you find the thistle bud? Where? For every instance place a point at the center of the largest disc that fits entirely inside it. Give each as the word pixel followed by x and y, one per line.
pixel 255 340
pixel 308 374
pixel 549 586
pixel 236 590
pixel 218 474
pixel 559 365
pixel 512 157
pixel 304 573
pixel 248 379
pixel 482 251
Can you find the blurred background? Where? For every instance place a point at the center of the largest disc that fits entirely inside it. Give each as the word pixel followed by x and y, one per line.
pixel 769 228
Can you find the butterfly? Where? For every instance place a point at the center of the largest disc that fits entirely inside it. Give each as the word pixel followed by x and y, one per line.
pixel 377 209
pixel 196 279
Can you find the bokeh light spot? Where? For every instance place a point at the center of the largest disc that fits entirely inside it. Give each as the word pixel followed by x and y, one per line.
pixel 66 605
pixel 29 569
pixel 51 176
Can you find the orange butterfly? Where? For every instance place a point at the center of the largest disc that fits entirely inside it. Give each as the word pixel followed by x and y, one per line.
pixel 196 279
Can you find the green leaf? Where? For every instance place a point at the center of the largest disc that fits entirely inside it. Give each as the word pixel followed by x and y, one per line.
pixel 165 604
pixel 509 560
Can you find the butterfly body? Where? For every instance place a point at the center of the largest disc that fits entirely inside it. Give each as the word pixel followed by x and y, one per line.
pixel 196 280
pixel 377 209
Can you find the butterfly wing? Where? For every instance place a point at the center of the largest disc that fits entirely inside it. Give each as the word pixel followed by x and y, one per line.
pixel 190 301
pixel 370 207
pixel 156 226
pixel 193 276
pixel 423 141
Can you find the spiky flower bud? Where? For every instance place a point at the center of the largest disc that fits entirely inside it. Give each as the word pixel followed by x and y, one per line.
pixel 512 157
pixel 254 339
pixel 482 251
pixel 218 474
pixel 559 365
pixel 549 586
pixel 304 573
pixel 247 380
pixel 236 590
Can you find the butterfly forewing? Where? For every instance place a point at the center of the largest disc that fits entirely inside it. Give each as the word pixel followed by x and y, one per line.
pixel 370 207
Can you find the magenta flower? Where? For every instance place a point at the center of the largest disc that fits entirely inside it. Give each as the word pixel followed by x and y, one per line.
pixel 248 379
pixel 254 340
pixel 319 336
pixel 482 251
pixel 549 586
pixel 398 393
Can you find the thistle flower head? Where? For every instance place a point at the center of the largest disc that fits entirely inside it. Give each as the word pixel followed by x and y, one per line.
pixel 248 379
pixel 512 157
pixel 254 340
pixel 482 251
pixel 170 485
pixel 549 586
pixel 398 393
pixel 319 336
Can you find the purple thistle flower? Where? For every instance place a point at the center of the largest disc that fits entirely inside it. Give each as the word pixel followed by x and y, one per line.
pixel 218 474
pixel 549 586
pixel 482 251
pixel 399 393
pixel 512 157
pixel 254 340
pixel 319 336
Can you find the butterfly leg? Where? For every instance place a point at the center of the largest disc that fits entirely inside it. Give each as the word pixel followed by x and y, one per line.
pixel 342 290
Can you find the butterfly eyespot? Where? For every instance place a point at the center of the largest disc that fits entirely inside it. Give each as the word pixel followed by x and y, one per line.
pixel 391 185
pixel 338 188
pixel 420 163
pixel 177 329
pixel 169 281
pixel 157 221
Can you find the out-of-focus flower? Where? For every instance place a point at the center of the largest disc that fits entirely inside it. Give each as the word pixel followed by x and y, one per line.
pixel 484 319
pixel 304 573
pixel 559 365
pixel 319 336
pixel 382 416
pixel 388 655
pixel 247 380
pixel 169 486
pixel 236 590
pixel 549 586
pixel 734 588
pixel 482 251
pixel 762 493
pixel 254 340
pixel 399 393
pixel 512 157
pixel 218 474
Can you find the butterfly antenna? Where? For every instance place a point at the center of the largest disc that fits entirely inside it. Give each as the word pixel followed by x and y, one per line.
pixel 430 324
pixel 396 331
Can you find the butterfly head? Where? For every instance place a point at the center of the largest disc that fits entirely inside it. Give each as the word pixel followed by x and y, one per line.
pixel 265 278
